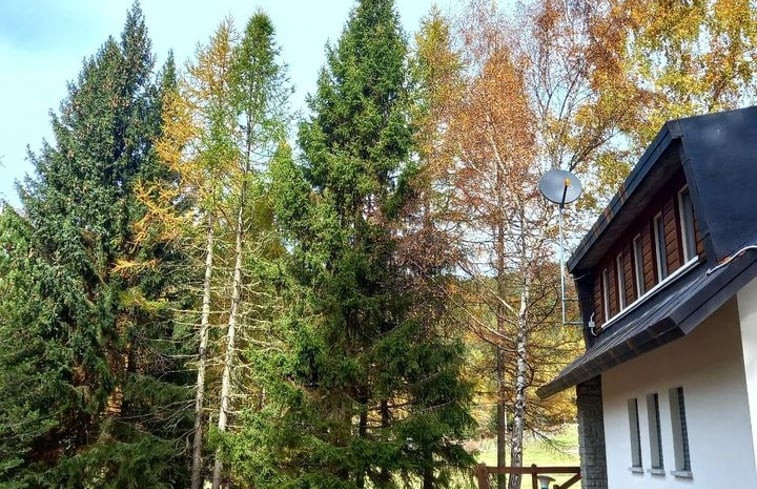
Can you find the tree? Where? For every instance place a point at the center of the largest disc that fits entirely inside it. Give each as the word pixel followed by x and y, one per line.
pixel 117 413
pixel 198 146
pixel 602 77
pixel 366 391
pixel 31 378
pixel 222 129
pixel 507 233
pixel 688 58
pixel 258 98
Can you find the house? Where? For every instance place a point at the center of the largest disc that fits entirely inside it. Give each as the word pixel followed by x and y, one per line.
pixel 667 388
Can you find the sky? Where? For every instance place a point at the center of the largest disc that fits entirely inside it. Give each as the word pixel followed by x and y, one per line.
pixel 43 43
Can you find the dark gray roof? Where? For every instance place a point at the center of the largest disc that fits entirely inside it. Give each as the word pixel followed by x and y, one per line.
pixel 672 312
pixel 718 153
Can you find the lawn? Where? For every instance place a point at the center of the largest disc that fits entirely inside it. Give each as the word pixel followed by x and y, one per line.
pixel 541 454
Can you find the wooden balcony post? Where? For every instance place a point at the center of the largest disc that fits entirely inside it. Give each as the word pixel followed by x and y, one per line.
pixel 482 475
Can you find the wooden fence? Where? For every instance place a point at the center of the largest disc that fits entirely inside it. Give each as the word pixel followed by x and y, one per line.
pixel 483 473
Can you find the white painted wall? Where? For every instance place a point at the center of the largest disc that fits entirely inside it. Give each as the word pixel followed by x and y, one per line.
pixel 710 367
pixel 747 301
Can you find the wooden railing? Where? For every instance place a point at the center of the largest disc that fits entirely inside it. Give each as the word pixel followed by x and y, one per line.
pixel 482 473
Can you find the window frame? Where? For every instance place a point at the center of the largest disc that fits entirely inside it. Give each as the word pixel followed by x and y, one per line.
pixel 638 264
pixel 657 464
pixel 686 225
pixel 620 277
pixel 637 464
pixel 681 448
pixel 606 293
pixel 661 251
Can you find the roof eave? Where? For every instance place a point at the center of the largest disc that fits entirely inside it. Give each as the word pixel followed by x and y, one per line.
pixel 680 321
pixel 670 132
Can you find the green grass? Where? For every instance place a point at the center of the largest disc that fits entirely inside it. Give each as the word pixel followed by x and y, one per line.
pixel 540 453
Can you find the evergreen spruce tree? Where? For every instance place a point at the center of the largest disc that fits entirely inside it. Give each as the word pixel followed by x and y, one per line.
pixel 97 396
pixel 33 372
pixel 364 390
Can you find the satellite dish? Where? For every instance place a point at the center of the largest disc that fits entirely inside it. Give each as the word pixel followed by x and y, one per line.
pixel 560 187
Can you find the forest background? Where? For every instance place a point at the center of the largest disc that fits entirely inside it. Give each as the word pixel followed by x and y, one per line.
pixel 201 287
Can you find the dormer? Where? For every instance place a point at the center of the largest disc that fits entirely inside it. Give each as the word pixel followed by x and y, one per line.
pixel 660 243
pixel 649 271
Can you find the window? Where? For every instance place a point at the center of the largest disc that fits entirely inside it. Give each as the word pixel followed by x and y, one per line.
pixel 638 265
pixel 680 433
pixel 621 281
pixel 633 419
pixel 606 292
pixel 655 439
pixel 688 235
pixel 660 250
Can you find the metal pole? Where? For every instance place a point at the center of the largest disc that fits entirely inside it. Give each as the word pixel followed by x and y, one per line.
pixel 562 265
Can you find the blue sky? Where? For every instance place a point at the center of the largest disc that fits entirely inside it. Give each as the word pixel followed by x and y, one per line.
pixel 43 42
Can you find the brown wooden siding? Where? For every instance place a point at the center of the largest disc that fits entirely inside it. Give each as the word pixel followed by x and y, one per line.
pixel 700 239
pixel 599 317
pixel 667 205
pixel 628 274
pixel 670 225
pixel 648 256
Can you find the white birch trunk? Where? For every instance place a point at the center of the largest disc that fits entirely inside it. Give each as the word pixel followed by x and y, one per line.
pixel 521 371
pixel 500 360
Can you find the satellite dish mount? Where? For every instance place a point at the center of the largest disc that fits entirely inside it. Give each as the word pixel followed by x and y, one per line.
pixel 561 187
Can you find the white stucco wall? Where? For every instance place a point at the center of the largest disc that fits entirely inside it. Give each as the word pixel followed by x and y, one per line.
pixel 747 302
pixel 710 367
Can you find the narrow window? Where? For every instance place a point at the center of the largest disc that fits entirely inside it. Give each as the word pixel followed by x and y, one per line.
pixel 633 420
pixel 638 265
pixel 660 251
pixel 655 439
pixel 621 282
pixel 606 292
pixel 680 432
pixel 688 235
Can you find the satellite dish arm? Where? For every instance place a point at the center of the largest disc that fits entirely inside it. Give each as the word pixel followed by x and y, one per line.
pixel 564 193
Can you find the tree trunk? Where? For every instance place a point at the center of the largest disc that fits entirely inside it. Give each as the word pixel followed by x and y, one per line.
pixel 499 250
pixel 200 394
pixel 384 474
pixel 501 417
pixel 521 371
pixel 519 409
pixel 362 433
pixel 428 472
pixel 228 362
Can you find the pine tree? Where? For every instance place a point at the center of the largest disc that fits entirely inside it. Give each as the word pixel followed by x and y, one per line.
pixel 105 301
pixel 364 390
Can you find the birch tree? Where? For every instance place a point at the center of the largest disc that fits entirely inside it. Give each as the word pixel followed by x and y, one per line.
pixel 508 228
